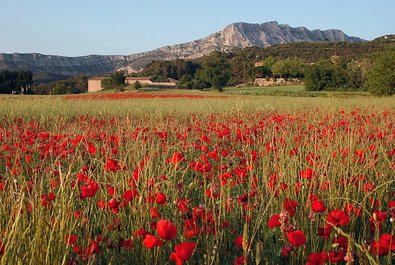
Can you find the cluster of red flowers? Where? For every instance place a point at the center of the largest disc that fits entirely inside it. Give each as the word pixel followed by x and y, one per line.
pixel 117 96
pixel 207 188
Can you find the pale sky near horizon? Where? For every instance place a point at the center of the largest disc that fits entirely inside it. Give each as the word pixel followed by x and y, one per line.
pixel 83 27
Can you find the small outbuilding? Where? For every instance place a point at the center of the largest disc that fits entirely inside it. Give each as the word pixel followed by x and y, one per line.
pixel 94 83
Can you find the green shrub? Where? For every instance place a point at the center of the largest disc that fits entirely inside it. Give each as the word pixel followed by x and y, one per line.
pixel 381 74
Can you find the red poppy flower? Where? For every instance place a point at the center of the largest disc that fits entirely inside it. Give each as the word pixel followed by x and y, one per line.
pixel 160 198
pixel 126 243
pixel 338 218
pixel 378 216
pixel 112 165
pixel 337 256
pixel 317 258
pixel 349 208
pixel 141 233
pixel 89 190
pixel 384 245
pixel 307 173
pixel 182 252
pixel 28 159
pixel 166 229
pixel 342 241
pixel 93 248
pixel 71 239
pixel 154 213
pixel 286 250
pixel 151 241
pixel 296 238
pixel 182 205
pixel 2 248
pixel 275 221
pixel 318 206
pixel 113 203
pixel 191 229
pixel 91 149
pixel 324 232
pixel 240 260
pixel 176 158
pixel 111 190
pixel 239 241
pixel 290 206
pixel 129 195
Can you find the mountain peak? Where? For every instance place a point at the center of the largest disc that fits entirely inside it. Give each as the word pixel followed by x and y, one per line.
pixel 241 35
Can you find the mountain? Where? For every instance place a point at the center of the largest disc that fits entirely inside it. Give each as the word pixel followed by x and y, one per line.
pixel 237 35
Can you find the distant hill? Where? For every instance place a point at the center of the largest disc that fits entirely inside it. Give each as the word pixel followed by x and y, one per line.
pixel 314 51
pixel 237 35
pixel 386 38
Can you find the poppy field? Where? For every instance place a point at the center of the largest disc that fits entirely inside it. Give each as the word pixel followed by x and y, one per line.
pixel 197 181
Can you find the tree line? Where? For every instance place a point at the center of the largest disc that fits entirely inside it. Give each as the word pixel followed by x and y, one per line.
pixel 12 82
pixel 21 82
pixel 376 74
pixel 373 72
pixel 72 85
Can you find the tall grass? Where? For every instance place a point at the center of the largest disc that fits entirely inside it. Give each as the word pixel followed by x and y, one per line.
pixel 225 165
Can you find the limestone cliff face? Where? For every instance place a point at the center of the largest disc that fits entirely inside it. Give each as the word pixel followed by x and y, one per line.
pixel 237 35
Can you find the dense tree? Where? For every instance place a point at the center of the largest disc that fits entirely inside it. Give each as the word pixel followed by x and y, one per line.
pixel 118 78
pixel 137 85
pixel 288 68
pixel 242 65
pixel 327 75
pixel 263 71
pixel 115 81
pixel 318 76
pixel 338 79
pixel 158 78
pixel 15 81
pixel 73 85
pixel 171 69
pixel 355 75
pixel 215 71
pixel 107 83
pixel 381 74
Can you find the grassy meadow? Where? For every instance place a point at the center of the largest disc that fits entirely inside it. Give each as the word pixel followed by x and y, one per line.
pixel 291 91
pixel 224 179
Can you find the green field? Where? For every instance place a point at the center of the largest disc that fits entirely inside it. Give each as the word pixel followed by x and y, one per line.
pixel 291 90
pixel 43 106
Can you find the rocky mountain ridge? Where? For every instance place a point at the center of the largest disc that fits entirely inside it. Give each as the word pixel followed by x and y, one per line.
pixel 237 35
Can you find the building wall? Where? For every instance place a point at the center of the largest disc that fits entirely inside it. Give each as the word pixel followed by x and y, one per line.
pixel 94 85
pixel 167 84
pixel 143 81
pixel 146 81
pixel 276 82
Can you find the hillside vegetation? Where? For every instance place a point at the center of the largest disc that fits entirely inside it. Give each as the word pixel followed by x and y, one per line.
pixel 326 65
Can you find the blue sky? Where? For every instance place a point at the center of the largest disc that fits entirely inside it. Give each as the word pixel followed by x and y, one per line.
pixel 83 27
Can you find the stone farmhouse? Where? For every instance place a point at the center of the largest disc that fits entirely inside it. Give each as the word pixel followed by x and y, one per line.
pixel 276 81
pixel 262 81
pixel 94 83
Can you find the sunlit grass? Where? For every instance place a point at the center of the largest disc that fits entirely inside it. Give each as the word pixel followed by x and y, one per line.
pixel 52 145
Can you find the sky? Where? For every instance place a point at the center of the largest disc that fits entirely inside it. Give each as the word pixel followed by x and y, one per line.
pixel 84 27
